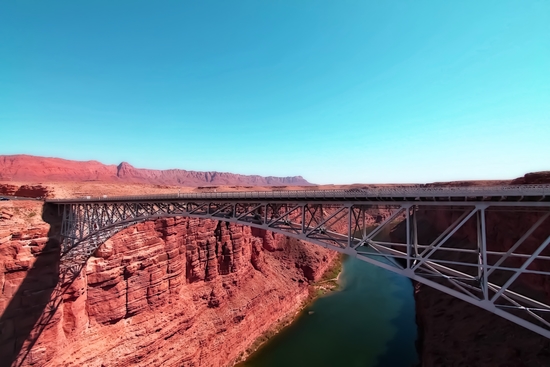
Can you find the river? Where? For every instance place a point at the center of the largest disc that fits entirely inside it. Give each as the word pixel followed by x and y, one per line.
pixel 368 322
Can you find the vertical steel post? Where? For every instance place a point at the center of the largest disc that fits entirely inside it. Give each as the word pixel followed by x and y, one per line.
pixel 363 210
pixel 85 220
pixel 350 213
pixel 304 218
pixel 484 283
pixel 74 220
pixel 64 229
pixel 408 219
pixel 415 231
pixel 479 247
pixel 64 221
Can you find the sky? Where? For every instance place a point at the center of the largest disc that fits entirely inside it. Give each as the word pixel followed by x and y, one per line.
pixel 336 91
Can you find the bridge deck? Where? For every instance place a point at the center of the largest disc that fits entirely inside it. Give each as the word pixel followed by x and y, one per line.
pixel 520 193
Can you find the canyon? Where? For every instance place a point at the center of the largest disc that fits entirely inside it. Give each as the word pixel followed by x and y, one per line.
pixel 190 292
pixel 168 292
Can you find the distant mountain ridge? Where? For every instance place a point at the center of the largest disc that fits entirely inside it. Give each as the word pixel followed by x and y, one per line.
pixel 28 168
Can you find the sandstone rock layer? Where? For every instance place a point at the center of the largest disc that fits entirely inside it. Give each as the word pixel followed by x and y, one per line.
pixel 171 292
pixel 26 168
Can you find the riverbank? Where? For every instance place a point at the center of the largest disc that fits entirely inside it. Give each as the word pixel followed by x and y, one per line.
pixel 368 322
pixel 326 284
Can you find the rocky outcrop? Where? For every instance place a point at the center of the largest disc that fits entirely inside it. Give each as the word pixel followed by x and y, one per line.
pixel 533 178
pixel 25 191
pixel 26 168
pixel 171 292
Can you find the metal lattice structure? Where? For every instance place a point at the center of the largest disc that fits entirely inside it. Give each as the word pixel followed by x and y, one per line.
pixel 411 231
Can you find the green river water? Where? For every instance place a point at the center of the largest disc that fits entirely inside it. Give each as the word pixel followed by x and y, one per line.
pixel 368 322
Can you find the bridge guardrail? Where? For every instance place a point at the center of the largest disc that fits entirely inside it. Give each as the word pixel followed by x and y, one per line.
pixel 384 192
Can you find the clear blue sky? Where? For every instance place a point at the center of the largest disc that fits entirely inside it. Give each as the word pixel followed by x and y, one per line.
pixel 336 91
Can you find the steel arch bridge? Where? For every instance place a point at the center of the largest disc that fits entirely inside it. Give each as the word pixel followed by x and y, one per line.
pixel 358 222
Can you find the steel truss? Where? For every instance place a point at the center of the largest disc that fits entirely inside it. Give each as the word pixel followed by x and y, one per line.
pixel 393 235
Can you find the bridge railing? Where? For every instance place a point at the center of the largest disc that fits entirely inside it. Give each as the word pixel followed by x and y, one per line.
pixel 383 192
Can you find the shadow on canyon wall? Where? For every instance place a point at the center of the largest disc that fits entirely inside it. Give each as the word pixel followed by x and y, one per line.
pixel 34 304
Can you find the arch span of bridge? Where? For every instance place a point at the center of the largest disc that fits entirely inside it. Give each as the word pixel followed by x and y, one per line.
pixel 357 223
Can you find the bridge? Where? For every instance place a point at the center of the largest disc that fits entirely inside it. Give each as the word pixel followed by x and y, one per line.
pixel 408 230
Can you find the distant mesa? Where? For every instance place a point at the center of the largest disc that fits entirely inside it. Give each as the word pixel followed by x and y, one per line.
pixel 27 168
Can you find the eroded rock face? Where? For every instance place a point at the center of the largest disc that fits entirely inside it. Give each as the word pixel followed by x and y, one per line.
pixel 28 273
pixel 27 168
pixel 171 292
pixel 29 191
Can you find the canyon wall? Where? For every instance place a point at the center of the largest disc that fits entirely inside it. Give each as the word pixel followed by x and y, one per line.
pixel 26 168
pixel 455 333
pixel 170 292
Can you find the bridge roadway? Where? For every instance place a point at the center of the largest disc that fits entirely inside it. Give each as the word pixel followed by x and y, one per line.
pixel 516 193
pixel 358 222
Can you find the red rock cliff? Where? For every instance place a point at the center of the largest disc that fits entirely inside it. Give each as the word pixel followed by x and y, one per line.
pixel 29 191
pixel 174 292
pixel 26 168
